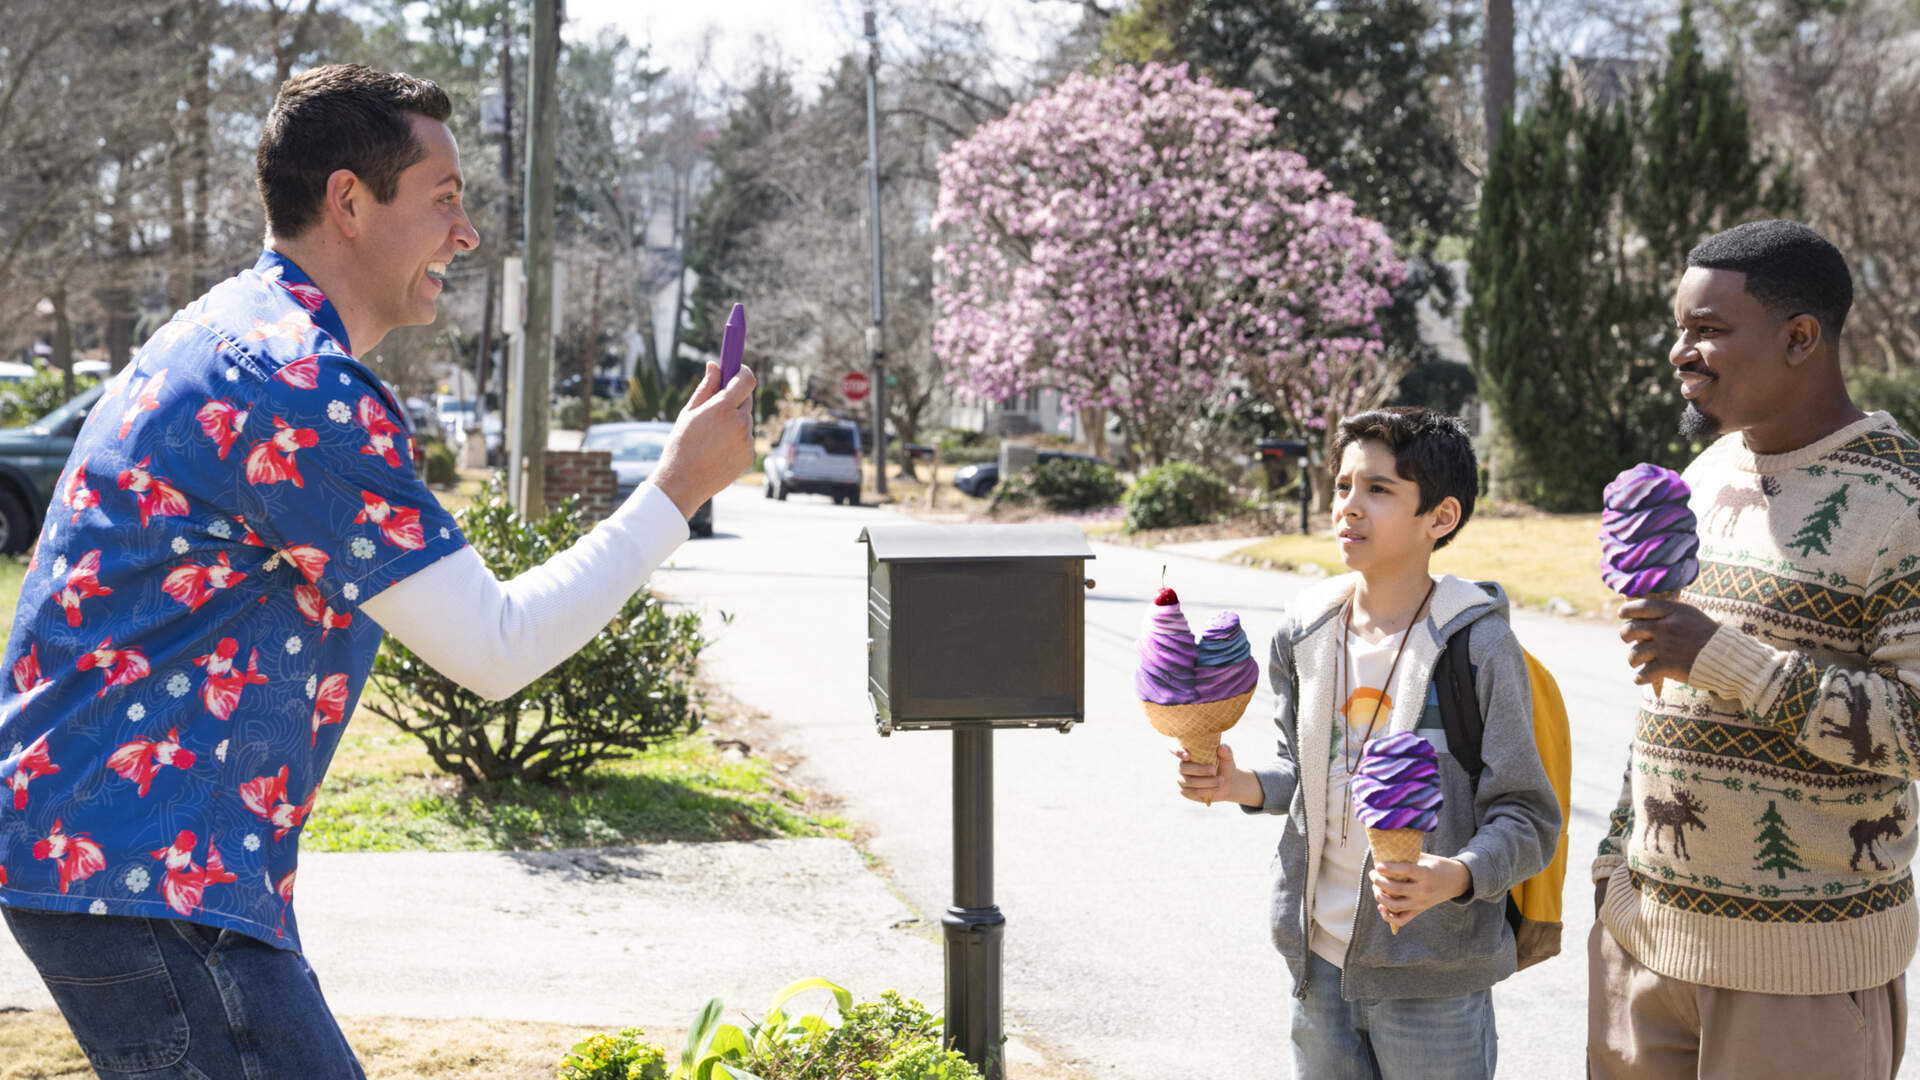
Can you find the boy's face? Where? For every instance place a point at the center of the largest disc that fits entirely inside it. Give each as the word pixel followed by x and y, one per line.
pixel 1375 511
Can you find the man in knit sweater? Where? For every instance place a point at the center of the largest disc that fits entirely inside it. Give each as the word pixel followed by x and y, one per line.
pixel 1756 902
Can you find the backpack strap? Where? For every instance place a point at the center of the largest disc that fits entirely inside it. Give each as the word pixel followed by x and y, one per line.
pixel 1460 707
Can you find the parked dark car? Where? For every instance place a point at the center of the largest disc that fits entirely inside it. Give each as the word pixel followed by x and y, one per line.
pixel 979 480
pixel 31 460
pixel 636 447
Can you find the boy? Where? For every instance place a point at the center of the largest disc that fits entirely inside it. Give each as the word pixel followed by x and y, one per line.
pixel 1398 986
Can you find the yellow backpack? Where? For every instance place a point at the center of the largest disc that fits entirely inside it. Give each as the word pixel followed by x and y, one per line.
pixel 1533 907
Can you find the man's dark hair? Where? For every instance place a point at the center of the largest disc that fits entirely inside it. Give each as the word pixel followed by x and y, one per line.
pixel 1430 448
pixel 342 116
pixel 1790 269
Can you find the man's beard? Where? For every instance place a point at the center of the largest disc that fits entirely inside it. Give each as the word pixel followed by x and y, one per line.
pixel 1696 426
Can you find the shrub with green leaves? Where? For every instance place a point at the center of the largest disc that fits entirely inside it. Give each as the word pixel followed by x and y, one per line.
pixel 615 1057
pixel 32 398
pixel 1176 494
pixel 1063 484
pixel 894 1038
pixel 443 469
pixel 626 689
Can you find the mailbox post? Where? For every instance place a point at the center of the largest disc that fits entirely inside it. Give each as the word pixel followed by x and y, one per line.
pixel 1275 453
pixel 972 628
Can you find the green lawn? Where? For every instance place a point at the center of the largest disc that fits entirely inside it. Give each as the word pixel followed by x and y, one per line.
pixel 13 571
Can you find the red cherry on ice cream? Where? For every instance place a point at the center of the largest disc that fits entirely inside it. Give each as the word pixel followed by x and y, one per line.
pixel 1165 597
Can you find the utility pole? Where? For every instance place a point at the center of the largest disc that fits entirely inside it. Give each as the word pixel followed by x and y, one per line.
pixel 876 351
pixel 496 118
pixel 536 378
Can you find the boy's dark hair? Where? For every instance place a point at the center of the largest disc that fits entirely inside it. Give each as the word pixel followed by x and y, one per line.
pixel 1429 448
pixel 1790 269
pixel 342 116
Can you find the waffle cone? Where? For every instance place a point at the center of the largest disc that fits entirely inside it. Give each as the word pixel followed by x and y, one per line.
pixel 1198 726
pixel 1396 845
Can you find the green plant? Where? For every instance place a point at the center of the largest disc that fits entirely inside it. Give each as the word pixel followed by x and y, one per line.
pixel 570 415
pixel 894 1038
pixel 1063 484
pixel 630 686
pixel 615 1057
pixel 1179 493
pixel 1897 394
pixel 443 468
pixel 30 399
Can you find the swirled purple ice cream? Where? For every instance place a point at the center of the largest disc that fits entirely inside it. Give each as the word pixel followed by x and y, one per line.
pixel 1226 667
pixel 1397 784
pixel 1648 542
pixel 1164 675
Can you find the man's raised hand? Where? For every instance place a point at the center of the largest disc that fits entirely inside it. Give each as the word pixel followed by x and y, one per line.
pixel 712 441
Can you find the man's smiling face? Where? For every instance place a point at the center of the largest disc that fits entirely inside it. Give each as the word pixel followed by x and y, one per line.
pixel 410 240
pixel 1731 354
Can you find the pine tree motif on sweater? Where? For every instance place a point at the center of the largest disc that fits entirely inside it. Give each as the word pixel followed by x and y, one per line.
pixel 1777 850
pixel 1816 532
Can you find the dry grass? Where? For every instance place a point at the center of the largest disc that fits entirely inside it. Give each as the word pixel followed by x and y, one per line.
pixel 1535 556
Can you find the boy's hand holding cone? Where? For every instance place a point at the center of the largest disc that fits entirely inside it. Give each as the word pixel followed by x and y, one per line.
pixel 1396 795
pixel 1649 539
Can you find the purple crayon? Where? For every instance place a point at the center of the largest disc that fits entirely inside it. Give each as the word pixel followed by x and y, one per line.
pixel 732 343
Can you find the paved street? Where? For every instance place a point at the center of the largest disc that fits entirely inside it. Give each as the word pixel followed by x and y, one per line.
pixel 1136 922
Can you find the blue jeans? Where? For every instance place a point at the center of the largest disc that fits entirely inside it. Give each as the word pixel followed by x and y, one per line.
pixel 159 999
pixel 1449 1038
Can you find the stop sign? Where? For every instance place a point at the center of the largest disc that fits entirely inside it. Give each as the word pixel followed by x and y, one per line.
pixel 854 386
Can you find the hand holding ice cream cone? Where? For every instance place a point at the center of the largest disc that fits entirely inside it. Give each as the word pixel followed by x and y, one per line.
pixel 1649 543
pixel 1193 691
pixel 1396 795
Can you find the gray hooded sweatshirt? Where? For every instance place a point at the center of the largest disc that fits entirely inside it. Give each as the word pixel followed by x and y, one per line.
pixel 1505 831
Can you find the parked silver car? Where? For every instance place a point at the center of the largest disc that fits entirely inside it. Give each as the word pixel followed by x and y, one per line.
pixel 821 457
pixel 636 448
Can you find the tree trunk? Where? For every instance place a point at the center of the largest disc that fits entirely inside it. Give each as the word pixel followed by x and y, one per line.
pixel 1498 68
pixel 590 356
pixel 200 146
pixel 62 336
pixel 1093 419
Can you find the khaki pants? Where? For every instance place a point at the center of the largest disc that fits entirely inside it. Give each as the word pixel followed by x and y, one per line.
pixel 1642 1025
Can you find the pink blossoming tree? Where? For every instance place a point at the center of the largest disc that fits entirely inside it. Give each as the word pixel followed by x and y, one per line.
pixel 1131 240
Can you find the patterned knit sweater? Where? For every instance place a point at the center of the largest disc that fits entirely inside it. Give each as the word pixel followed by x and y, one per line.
pixel 1764 838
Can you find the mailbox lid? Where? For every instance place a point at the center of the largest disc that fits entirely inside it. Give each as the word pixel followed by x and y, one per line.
pixel 932 543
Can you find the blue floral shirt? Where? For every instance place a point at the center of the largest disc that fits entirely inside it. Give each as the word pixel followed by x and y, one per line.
pixel 188 644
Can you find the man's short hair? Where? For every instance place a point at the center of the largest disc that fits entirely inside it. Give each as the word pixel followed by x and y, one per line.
pixel 1431 449
pixel 1790 269
pixel 342 116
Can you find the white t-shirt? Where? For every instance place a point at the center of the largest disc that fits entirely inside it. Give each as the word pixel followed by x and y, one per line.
pixel 1344 852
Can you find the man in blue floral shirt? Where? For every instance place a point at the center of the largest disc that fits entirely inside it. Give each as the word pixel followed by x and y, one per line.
pixel 239 522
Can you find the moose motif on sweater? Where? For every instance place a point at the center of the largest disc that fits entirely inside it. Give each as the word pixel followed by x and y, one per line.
pixel 1679 813
pixel 1736 500
pixel 1861 748
pixel 1867 833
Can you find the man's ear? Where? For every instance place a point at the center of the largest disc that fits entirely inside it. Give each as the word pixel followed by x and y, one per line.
pixel 1443 519
pixel 344 203
pixel 1803 338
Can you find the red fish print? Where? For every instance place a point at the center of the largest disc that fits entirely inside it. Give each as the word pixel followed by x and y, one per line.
pixel 77 855
pixel 315 608
pixel 293 326
pixel 34 764
pixel 301 374
pixel 27 680
pixel 328 704
pixel 224 684
pixel 192 584
pixel 155 496
pixel 121 666
pixel 250 536
pixel 380 430
pixel 311 561
pixel 184 883
pixel 399 524
pixel 223 421
pixel 83 583
pixel 266 796
pixel 146 400
pixel 141 759
pixel 271 459
pixel 77 496
pixel 310 296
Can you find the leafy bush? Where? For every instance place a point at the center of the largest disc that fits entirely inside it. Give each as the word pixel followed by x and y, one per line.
pixel 30 399
pixel 1177 494
pixel 615 1057
pixel 570 415
pixel 443 468
pixel 894 1038
pixel 627 688
pixel 1897 394
pixel 1063 484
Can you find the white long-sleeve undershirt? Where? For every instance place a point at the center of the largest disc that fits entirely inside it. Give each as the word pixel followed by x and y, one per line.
pixel 494 638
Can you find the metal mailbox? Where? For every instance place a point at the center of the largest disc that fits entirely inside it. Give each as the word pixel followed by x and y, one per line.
pixel 976 625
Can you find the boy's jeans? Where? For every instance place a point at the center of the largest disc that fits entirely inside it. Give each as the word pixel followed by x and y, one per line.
pixel 1450 1038
pixel 158 999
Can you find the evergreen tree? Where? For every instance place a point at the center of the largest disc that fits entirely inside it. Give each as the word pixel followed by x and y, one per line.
pixel 1777 851
pixel 1585 219
pixel 1816 532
